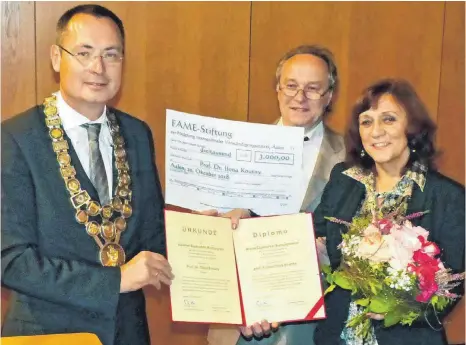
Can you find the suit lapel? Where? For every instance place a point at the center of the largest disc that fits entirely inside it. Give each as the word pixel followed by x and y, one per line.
pixel 326 160
pixel 351 202
pixel 417 203
pixel 314 188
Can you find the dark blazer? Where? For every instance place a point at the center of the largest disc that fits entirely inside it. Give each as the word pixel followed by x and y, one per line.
pixel 342 197
pixel 48 259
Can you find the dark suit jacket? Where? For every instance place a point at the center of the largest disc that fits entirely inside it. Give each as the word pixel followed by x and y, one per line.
pixel 48 259
pixel 342 197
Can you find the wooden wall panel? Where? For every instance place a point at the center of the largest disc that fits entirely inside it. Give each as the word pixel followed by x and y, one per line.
pixel 396 39
pixel 454 324
pixel 451 110
pixel 277 27
pixel 18 57
pixel 18 75
pixel 181 55
pixel 370 40
pixel 451 124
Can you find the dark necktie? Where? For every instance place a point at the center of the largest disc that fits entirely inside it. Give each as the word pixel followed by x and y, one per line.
pixel 97 172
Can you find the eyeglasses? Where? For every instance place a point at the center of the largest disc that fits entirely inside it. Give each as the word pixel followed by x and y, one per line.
pixel 291 90
pixel 85 58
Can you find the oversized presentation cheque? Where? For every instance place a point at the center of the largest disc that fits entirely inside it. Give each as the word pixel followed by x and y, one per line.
pixel 265 269
pixel 221 164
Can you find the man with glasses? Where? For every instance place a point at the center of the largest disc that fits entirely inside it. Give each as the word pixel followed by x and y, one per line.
pixel 306 82
pixel 82 207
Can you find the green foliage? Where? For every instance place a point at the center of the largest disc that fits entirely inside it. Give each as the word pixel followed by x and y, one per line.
pixel 326 269
pixel 340 279
pixel 375 287
pixel 439 302
pixel 362 323
pixel 363 302
pixel 359 224
pixel 409 317
pixel 392 318
pixel 379 305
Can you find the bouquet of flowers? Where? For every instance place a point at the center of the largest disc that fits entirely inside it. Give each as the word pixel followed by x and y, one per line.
pixel 392 269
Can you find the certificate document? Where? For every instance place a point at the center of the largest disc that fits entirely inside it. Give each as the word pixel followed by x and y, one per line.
pixel 266 269
pixel 201 254
pixel 221 164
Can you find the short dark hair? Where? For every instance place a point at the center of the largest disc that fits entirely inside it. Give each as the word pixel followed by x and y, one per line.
pixel 93 10
pixel 320 52
pixel 420 131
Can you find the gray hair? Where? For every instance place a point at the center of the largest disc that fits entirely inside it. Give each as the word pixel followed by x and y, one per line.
pixel 315 50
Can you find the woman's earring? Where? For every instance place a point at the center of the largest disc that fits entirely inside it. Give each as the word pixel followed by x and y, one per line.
pixel 363 153
pixel 411 145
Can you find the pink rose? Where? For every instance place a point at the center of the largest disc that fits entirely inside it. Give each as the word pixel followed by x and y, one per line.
pixel 426 293
pixel 371 231
pixel 373 246
pixel 385 226
pixel 427 284
pixel 426 265
pixel 409 237
pixel 401 255
pixel 429 248
pixel 419 231
pixel 421 258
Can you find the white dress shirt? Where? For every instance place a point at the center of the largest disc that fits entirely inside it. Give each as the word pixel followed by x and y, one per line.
pixel 311 150
pixel 72 121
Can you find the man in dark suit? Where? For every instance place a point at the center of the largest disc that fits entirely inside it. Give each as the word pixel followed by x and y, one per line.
pixel 82 206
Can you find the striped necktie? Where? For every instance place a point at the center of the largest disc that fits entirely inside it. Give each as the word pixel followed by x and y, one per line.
pixel 97 172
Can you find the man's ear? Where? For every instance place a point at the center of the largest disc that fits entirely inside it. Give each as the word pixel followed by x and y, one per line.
pixel 330 97
pixel 55 57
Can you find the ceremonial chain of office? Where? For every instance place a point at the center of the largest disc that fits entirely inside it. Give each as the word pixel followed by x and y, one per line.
pixel 101 221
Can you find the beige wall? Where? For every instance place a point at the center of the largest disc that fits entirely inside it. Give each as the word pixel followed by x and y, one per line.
pixel 218 59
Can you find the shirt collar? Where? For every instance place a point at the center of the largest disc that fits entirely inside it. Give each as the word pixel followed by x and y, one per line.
pixel 418 177
pixel 308 131
pixel 366 177
pixel 70 118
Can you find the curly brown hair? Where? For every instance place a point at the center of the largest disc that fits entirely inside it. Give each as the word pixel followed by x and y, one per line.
pixel 420 130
